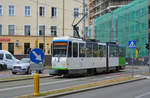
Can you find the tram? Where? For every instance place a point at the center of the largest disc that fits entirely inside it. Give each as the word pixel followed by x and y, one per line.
pixel 72 56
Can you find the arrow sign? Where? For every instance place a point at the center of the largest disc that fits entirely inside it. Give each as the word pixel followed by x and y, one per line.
pixel 37 55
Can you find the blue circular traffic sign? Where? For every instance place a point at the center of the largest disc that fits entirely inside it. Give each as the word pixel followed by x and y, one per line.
pixel 37 55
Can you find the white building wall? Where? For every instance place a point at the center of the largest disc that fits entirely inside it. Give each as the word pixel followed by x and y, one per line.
pixel 20 20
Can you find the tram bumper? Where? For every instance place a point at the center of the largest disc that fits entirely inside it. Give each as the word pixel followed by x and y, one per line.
pixel 57 72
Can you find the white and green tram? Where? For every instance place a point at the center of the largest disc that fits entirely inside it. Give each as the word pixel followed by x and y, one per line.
pixel 72 56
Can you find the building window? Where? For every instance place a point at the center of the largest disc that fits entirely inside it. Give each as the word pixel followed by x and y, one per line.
pixel 27 11
pixel 11 10
pixel 76 12
pixel 41 46
pixel 27 48
pixel 11 29
pixel 42 11
pixel 54 12
pixel 87 12
pixel 27 30
pixel 1 29
pixel 0 46
pixel 53 31
pixel 1 10
pixel 42 30
pixel 11 47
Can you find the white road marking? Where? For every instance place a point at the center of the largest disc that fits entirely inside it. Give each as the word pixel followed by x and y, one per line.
pixel 55 82
pixel 41 84
pixel 145 94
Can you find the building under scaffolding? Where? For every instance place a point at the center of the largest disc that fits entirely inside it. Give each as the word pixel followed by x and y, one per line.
pixel 127 23
pixel 101 7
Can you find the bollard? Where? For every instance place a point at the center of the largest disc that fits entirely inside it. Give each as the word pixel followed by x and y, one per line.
pixel 36 84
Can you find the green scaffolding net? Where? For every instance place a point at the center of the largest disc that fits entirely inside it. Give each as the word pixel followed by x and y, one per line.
pixel 128 23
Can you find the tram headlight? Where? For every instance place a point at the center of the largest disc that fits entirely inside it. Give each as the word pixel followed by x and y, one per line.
pixel 67 64
pixel 54 64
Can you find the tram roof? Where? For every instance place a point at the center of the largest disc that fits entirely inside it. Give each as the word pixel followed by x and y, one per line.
pixel 66 38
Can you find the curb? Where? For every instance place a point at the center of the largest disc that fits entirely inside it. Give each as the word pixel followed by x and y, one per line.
pixel 88 89
pixel 26 78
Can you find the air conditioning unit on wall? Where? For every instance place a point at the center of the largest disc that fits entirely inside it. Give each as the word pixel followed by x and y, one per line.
pixel 17 44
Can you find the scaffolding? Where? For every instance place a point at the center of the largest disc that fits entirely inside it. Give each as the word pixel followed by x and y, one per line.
pixel 124 24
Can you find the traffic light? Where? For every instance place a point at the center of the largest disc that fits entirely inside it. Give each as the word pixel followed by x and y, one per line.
pixel 147 46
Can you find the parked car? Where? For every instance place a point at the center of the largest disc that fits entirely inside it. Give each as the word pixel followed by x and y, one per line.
pixel 22 66
pixel 7 60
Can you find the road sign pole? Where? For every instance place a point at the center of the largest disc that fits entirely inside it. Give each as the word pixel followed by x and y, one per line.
pixel 149 57
pixel 132 45
pixel 36 85
pixel 132 63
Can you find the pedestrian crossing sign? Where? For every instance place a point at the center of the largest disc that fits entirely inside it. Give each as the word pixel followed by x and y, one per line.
pixel 131 44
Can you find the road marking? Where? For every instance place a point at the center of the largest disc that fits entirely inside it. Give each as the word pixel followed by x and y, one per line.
pixel 41 84
pixel 55 82
pixel 145 94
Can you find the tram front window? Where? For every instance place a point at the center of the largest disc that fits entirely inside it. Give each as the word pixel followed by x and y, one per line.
pixel 59 52
pixel 59 49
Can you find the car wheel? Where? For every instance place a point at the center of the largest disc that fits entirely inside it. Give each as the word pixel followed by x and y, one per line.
pixel 14 72
pixel 5 66
pixel 1 67
pixel 40 71
pixel 29 70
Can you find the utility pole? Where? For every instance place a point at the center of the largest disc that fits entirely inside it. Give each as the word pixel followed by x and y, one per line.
pixel 117 31
pixel 111 32
pixel 37 24
pixel 83 26
pixel 63 16
pixel 149 55
pixel 112 27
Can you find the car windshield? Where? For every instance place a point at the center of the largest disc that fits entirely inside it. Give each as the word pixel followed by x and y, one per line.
pixel 1 56
pixel 24 61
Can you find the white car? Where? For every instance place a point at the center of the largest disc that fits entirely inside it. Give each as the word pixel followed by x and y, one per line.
pixel 22 66
pixel 7 59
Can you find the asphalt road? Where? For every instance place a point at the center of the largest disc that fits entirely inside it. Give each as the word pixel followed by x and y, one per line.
pixel 138 89
pixel 20 88
pixel 128 70
pixel 8 74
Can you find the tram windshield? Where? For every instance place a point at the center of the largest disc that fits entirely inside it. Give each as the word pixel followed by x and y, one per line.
pixel 59 49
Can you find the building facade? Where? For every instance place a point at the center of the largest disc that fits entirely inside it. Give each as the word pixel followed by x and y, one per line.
pixel 27 24
pixel 101 7
pixel 127 23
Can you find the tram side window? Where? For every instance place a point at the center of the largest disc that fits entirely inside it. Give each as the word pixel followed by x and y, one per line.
pixel 113 51
pixel 102 51
pixel 122 52
pixel 75 49
pixel 89 50
pixel 70 50
pixel 81 50
pixel 95 50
